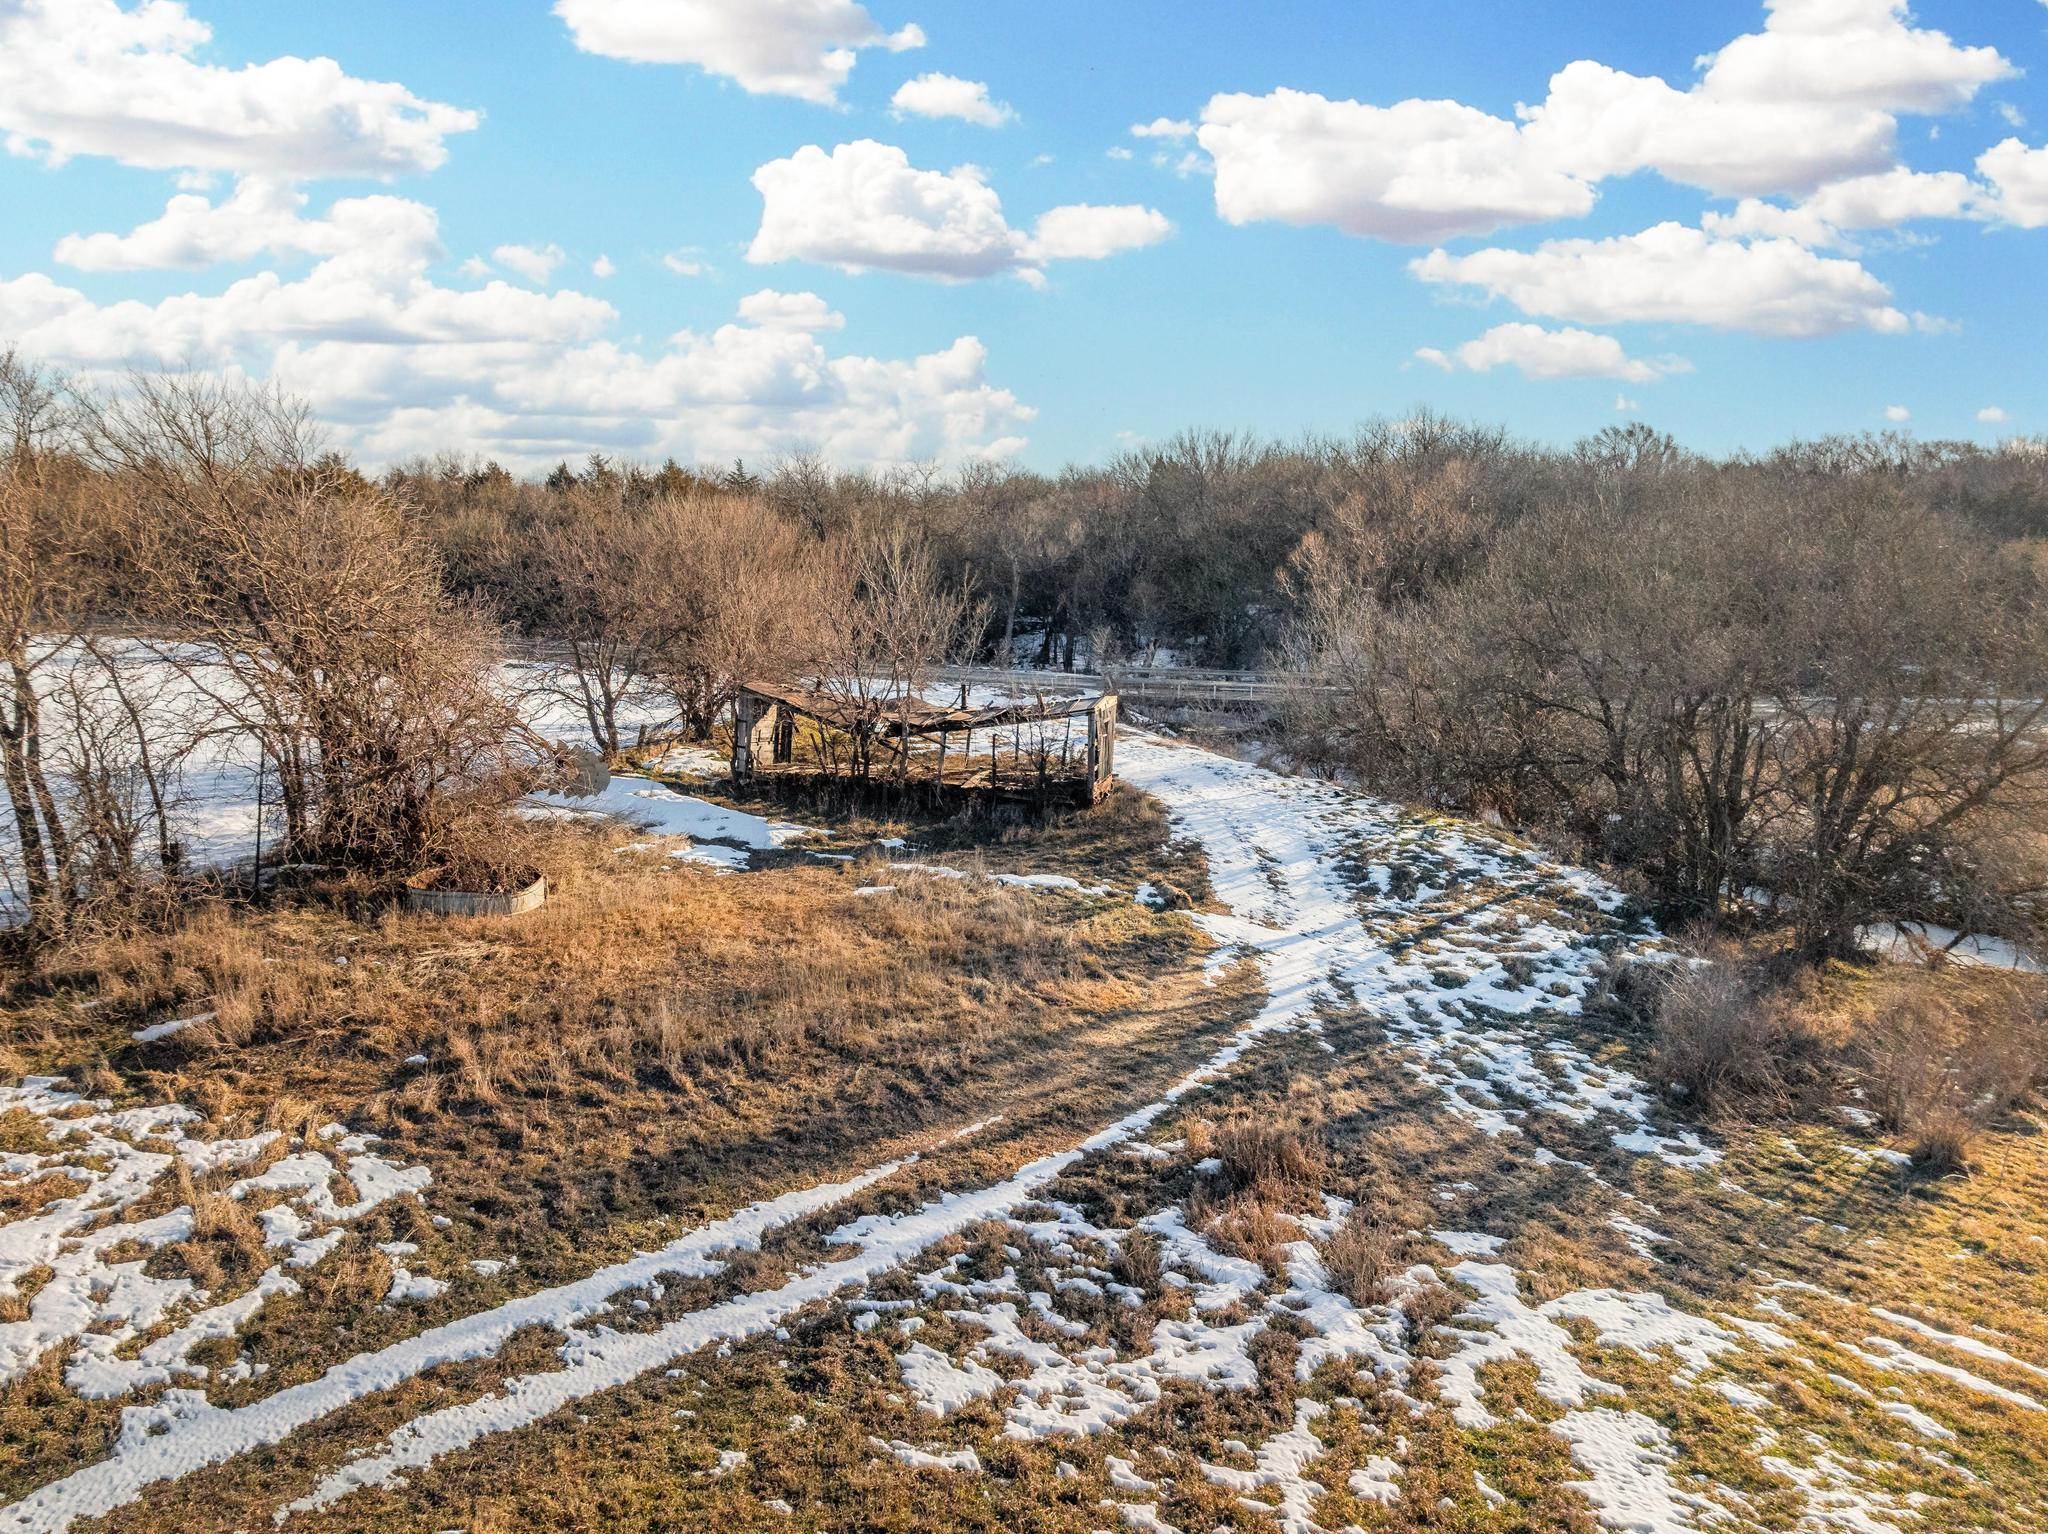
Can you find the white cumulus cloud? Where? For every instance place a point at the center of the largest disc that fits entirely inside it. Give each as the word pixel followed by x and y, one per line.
pixel 262 216
pixel 1864 53
pixel 1811 99
pixel 375 292
pixel 865 207
pixel 1416 171
pixel 2019 182
pixel 801 48
pixel 1893 197
pixel 91 77
pixel 1884 200
pixel 937 95
pixel 1992 415
pixel 397 365
pixel 773 310
pixel 536 263
pixel 1898 415
pixel 1090 231
pixel 1549 354
pixel 1674 274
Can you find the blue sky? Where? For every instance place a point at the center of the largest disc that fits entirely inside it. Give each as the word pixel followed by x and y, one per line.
pixel 1739 222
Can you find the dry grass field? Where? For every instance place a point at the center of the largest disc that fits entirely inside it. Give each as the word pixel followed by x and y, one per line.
pixel 1420 1250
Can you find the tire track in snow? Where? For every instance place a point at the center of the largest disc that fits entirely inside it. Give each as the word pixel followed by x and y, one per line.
pixel 1275 847
pixel 183 1433
pixel 1212 799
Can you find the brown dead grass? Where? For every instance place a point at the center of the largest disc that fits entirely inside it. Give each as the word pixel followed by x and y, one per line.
pixel 1734 1036
pixel 1358 1255
pixel 1270 1160
pixel 657 1040
pixel 1940 1054
pixel 805 1408
pixel 1269 1173
pixel 1942 1061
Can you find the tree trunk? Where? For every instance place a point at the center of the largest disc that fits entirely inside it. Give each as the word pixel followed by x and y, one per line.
pixel 167 856
pixel 34 857
pixel 28 716
pixel 1009 655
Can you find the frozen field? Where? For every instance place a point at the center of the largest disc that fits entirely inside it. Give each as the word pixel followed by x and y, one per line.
pixel 1724 1358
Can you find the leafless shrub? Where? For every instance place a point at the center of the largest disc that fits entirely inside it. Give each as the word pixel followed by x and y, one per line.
pixel 1729 1037
pixel 1358 1255
pixel 1262 1158
pixel 315 619
pixel 1939 1070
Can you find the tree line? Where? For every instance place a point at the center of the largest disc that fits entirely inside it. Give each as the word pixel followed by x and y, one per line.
pixel 1812 683
pixel 1191 545
pixel 1815 671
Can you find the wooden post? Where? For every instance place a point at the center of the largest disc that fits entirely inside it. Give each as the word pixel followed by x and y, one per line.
pixel 743 717
pixel 1105 766
pixel 1094 751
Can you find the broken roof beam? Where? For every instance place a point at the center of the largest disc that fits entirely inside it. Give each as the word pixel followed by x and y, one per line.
pixel 916 716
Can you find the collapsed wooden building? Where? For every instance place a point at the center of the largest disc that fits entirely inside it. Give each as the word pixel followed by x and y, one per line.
pixel 1041 750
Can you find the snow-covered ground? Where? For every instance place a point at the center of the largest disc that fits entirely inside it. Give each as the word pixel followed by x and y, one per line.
pixel 1343 903
pixel 89 1253
pixel 1916 942
pixel 214 784
pixel 690 828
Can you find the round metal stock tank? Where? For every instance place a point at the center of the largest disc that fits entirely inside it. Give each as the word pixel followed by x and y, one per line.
pixel 477 902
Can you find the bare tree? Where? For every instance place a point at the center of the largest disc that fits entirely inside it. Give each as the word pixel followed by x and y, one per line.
pixel 892 619
pixel 311 611
pixel 1719 679
pixel 40 573
pixel 1915 740
pixel 743 591
pixel 601 564
pixel 88 765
